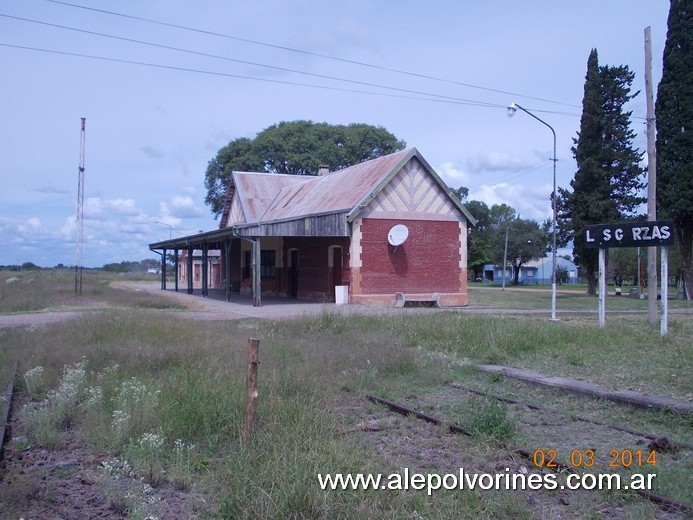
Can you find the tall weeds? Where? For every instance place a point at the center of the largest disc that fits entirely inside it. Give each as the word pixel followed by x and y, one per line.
pixel 166 397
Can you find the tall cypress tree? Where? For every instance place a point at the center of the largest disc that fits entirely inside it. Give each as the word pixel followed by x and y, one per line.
pixel 606 185
pixel 674 122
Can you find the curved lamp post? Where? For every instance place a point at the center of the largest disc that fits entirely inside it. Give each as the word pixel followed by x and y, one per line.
pixel 170 228
pixel 511 112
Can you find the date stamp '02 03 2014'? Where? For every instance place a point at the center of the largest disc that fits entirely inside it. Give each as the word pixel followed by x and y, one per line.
pixel 625 458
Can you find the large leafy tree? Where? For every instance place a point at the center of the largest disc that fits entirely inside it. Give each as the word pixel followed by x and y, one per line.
pixel 674 121
pixel 607 185
pixel 298 148
pixel 461 193
pixel 486 240
pixel 479 240
pixel 526 240
pixel 237 155
pixel 499 215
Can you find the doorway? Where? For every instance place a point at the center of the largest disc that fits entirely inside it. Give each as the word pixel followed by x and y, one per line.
pixel 293 273
pixel 334 271
pixel 336 264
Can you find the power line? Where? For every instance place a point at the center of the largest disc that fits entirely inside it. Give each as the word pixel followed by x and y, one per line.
pixel 310 53
pixel 514 174
pixel 254 78
pixel 443 98
pixel 245 62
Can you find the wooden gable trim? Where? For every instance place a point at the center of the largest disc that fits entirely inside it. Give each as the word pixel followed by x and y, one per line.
pixel 230 193
pixel 414 153
pixel 241 198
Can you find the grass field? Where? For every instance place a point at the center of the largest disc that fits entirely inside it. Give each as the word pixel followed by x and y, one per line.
pixel 569 297
pixel 166 394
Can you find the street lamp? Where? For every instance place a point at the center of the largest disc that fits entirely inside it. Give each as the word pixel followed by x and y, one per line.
pixel 505 257
pixel 511 112
pixel 170 228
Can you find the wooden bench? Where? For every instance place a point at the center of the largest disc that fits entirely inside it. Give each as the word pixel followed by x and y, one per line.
pixel 402 299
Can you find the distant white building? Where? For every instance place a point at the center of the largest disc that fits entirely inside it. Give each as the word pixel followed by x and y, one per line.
pixel 539 271
pixel 534 272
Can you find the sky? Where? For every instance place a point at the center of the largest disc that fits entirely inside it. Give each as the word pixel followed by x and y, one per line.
pixel 164 84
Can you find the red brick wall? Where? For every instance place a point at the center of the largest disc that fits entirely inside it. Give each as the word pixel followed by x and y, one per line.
pixel 314 276
pixel 427 262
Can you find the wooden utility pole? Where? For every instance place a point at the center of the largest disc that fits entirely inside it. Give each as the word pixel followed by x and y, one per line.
pixel 251 386
pixel 651 182
pixel 80 210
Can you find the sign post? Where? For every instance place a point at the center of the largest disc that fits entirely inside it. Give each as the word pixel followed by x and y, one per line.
pixel 632 234
pixel 665 292
pixel 602 287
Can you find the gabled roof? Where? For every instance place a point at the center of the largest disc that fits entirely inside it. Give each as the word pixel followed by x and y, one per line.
pixel 257 191
pixel 336 192
pixel 268 204
pixel 268 198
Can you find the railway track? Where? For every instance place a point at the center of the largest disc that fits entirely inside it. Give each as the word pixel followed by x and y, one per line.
pixel 668 504
pixel 6 407
pixel 644 435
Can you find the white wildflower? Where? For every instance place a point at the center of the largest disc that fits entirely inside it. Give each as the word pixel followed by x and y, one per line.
pixel 33 378
pixel 120 423
pixel 151 441
pixel 94 397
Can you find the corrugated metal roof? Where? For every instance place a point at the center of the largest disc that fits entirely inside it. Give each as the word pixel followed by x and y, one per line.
pixel 337 191
pixel 330 201
pixel 268 197
pixel 256 191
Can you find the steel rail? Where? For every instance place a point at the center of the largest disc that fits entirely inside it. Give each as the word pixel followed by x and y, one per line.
pixel 574 417
pixel 6 407
pixel 667 503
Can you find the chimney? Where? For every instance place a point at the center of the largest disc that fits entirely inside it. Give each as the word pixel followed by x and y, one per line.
pixel 323 169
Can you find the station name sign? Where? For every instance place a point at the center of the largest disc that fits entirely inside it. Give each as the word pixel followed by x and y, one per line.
pixel 630 234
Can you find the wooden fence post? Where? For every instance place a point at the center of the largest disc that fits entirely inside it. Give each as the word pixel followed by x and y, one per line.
pixel 251 386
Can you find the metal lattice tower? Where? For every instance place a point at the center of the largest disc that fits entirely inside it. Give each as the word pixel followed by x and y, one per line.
pixel 80 212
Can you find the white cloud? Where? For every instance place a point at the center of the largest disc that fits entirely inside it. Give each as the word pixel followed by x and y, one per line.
pixel 487 161
pixel 34 222
pixel 69 228
pixel 122 207
pixel 529 202
pixel 501 193
pixel 140 228
pixel 28 226
pixel 180 207
pixel 452 175
pixel 96 207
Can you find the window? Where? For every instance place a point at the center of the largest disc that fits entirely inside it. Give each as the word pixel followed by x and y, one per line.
pixel 267 263
pixel 268 258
